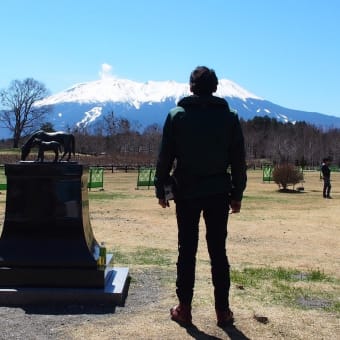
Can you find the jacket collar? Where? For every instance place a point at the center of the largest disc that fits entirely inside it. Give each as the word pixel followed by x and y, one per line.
pixel 202 100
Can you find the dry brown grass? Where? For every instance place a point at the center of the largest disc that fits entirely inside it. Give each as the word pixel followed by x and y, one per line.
pixel 294 231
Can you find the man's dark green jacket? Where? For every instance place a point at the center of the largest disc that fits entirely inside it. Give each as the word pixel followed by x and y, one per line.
pixel 203 141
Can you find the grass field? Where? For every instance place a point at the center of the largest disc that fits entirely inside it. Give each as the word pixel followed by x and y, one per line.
pixel 284 251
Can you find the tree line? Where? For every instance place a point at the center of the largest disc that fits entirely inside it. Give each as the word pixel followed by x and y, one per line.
pixel 299 143
pixel 266 139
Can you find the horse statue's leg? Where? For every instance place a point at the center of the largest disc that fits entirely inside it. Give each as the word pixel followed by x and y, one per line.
pixel 40 155
pixel 63 155
pixel 56 155
pixel 67 148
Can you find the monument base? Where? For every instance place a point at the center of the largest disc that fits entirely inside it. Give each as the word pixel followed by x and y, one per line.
pixel 113 294
pixel 48 252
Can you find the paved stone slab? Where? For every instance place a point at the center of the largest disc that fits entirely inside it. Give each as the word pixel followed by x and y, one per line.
pixel 114 293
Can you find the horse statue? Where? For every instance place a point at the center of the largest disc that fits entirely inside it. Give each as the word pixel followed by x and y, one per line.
pixel 66 140
pixel 46 146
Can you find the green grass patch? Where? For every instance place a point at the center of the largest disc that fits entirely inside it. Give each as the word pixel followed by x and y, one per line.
pixel 143 256
pixel 120 257
pixel 10 151
pixel 253 275
pixel 308 290
pixel 109 196
pixel 258 200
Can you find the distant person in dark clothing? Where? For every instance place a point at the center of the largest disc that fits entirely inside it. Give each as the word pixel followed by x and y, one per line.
pixel 204 138
pixel 326 176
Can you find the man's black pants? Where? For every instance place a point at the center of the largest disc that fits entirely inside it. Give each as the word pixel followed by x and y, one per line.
pixel 215 213
pixel 326 187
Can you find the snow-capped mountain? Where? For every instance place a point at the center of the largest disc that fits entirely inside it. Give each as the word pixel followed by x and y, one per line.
pixel 148 103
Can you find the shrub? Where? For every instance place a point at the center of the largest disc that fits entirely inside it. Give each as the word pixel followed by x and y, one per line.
pixel 286 174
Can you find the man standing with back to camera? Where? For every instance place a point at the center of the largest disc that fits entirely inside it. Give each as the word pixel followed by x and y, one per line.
pixel 203 139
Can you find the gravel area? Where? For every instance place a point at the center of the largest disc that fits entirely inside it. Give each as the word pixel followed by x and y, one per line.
pixel 52 321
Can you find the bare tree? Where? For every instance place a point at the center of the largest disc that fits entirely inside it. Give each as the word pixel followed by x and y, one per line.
pixel 110 123
pixel 20 115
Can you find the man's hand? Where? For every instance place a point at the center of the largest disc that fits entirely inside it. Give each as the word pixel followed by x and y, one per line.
pixel 163 203
pixel 235 206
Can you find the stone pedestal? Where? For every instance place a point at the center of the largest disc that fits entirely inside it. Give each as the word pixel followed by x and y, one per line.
pixel 47 241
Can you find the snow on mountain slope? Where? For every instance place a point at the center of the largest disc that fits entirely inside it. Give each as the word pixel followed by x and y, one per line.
pixel 143 104
pixel 148 103
pixel 134 93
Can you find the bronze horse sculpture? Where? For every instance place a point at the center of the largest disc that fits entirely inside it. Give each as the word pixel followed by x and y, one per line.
pixel 66 140
pixel 46 146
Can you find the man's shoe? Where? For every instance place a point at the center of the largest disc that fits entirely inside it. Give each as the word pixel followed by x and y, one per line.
pixel 181 314
pixel 224 318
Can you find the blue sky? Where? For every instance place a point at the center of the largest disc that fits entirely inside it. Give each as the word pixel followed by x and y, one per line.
pixel 285 51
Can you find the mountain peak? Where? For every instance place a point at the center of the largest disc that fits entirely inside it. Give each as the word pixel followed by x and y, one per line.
pixel 135 93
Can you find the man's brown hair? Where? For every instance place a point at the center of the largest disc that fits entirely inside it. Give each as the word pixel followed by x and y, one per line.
pixel 203 81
